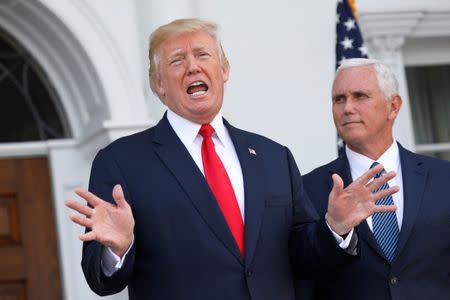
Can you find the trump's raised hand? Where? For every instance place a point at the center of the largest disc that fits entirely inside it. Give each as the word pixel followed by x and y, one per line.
pixel 111 224
pixel 350 206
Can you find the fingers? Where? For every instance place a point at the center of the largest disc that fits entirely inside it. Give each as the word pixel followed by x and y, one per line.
pixel 376 183
pixel 384 193
pixel 80 208
pixel 88 196
pixel 80 220
pixel 338 184
pixel 368 175
pixel 118 196
pixel 384 208
pixel 88 236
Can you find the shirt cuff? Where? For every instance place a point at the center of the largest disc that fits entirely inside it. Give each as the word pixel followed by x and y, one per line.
pixel 111 262
pixel 349 243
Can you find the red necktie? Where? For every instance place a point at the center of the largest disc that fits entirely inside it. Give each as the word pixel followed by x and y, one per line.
pixel 220 184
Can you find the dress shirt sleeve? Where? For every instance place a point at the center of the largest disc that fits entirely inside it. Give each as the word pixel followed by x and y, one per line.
pixel 349 243
pixel 111 262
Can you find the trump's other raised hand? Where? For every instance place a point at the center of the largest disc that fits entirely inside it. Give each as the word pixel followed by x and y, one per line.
pixel 110 224
pixel 350 206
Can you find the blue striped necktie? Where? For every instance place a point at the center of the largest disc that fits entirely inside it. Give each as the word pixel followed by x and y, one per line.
pixel 385 227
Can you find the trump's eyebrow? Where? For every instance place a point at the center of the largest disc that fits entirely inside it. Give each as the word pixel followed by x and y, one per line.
pixel 176 51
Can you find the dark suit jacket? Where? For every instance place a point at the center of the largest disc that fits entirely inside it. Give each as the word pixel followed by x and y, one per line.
pixel 421 269
pixel 183 248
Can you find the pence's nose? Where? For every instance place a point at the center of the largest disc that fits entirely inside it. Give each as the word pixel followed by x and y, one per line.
pixel 349 105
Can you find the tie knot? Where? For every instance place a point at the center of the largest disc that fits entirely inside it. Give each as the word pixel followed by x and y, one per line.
pixel 374 164
pixel 378 175
pixel 206 130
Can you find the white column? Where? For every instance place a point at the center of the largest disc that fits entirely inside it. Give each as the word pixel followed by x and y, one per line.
pixel 388 49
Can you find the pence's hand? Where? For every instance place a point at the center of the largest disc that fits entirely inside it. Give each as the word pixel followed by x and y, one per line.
pixel 350 206
pixel 111 225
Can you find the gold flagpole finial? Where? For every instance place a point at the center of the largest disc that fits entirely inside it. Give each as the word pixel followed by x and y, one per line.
pixel 353 7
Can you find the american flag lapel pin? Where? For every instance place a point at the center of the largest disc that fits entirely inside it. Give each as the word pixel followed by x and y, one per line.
pixel 251 151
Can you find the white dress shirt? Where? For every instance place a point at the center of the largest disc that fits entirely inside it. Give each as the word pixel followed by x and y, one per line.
pixel 390 159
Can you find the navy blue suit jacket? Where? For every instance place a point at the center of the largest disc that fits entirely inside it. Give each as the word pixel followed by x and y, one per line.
pixel 421 269
pixel 183 248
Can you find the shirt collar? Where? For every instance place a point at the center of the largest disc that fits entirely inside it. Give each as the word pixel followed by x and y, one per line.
pixel 187 130
pixel 359 163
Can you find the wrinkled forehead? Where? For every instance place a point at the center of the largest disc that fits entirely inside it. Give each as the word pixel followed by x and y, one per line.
pixel 185 41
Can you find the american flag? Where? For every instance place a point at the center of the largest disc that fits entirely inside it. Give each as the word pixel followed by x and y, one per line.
pixel 349 42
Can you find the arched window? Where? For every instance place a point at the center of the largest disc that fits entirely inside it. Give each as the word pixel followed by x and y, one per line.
pixel 30 109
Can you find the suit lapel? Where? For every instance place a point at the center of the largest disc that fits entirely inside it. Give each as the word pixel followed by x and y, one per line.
pixel 252 170
pixel 414 178
pixel 367 235
pixel 177 159
pixel 342 168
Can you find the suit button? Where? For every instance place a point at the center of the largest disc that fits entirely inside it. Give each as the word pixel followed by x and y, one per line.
pixel 249 273
pixel 394 281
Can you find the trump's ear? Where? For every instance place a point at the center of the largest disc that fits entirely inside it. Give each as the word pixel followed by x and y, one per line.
pixel 225 72
pixel 159 86
pixel 395 105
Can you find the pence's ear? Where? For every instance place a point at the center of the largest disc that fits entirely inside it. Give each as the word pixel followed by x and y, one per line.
pixel 395 105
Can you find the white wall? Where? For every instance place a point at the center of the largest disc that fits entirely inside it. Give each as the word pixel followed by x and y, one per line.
pixel 437 50
pixel 402 5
